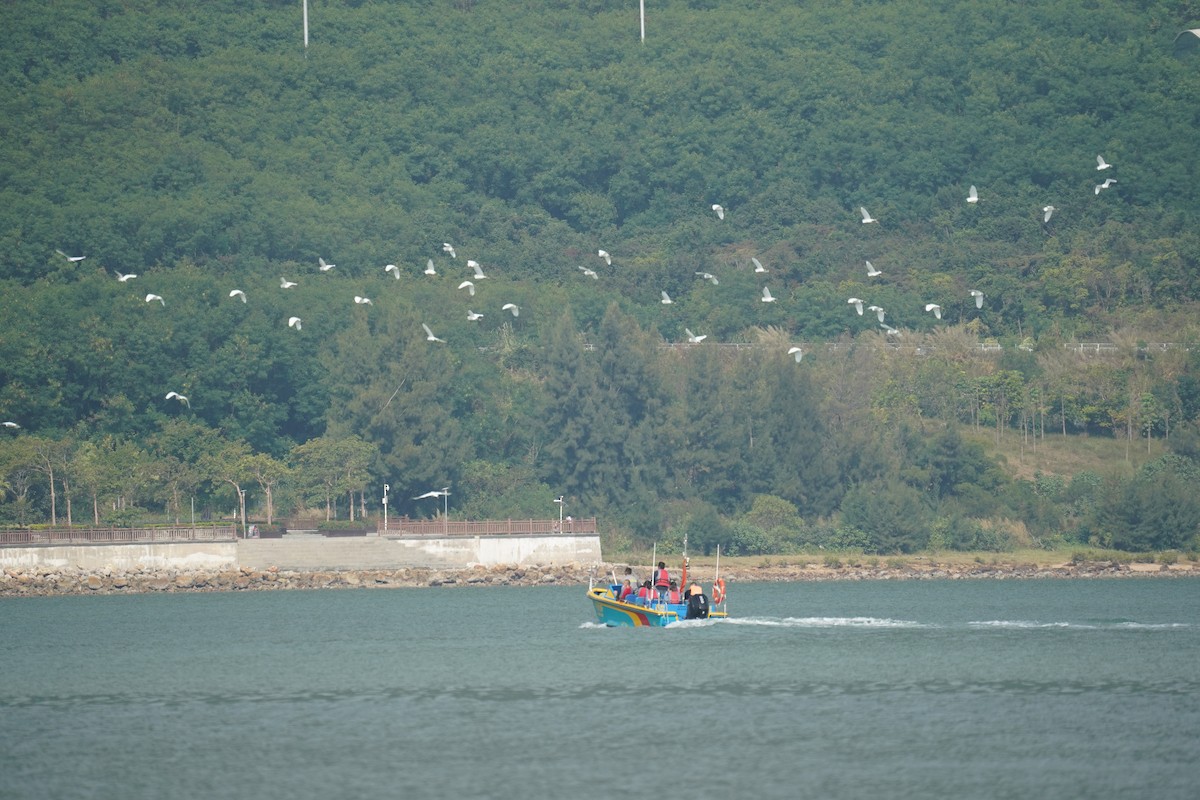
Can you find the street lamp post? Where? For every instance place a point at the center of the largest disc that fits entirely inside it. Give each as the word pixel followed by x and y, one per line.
pixel 385 491
pixel 560 511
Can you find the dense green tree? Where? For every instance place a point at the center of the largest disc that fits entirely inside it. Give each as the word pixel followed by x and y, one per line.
pixel 268 473
pixel 1156 510
pixel 893 516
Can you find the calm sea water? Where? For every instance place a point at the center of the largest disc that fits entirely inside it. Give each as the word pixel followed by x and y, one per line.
pixel 988 689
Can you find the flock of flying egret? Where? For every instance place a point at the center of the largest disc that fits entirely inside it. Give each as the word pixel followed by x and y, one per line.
pixel 934 308
pixel 872 272
pixel 469 285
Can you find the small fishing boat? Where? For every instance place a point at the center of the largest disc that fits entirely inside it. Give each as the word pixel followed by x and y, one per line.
pixel 653 613
pixel 656 614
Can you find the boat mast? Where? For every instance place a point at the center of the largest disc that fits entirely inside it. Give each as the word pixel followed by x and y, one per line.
pixel 683 577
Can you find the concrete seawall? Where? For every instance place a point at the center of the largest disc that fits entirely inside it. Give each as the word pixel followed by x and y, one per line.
pixel 377 552
pixel 150 555
pixel 314 553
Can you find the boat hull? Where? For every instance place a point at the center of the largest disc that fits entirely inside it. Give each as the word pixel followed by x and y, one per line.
pixel 616 614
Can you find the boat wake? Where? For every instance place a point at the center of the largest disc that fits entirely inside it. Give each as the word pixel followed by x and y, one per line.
pixel 824 622
pixel 1022 624
pixel 878 623
pixel 995 624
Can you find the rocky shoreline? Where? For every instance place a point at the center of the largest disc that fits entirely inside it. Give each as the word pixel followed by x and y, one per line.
pixel 50 581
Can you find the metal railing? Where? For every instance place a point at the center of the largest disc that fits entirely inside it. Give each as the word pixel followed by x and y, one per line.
pixel 180 533
pixel 1110 347
pixel 489 527
pixel 831 347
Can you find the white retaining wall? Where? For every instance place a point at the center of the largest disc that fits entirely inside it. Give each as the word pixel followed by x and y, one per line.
pixel 377 552
pixel 315 553
pixel 96 557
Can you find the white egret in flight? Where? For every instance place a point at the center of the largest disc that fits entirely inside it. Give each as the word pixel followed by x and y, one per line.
pixel 478 269
pixel 325 266
pixel 429 270
pixel 284 283
pixel 796 353
pixel 972 195
pixel 392 268
pixel 72 259
pixel 935 308
pixel 9 424
pixel 179 397
pixel 150 298
pixel 1047 212
pixel 866 218
pixel 720 211
pixel 872 272
pixel 978 295
pixel 767 296
pixel 591 273
pixel 604 254
pixel 429 337
pixel 1107 183
pixel 363 301
pixel 516 312
pixel 473 316
pixel 470 287
pixel 857 303
pixel 666 299
pixel 758 267
pixel 294 322
pixel 708 276
pixel 123 278
pixel 449 248
pixel 879 312
pixel 1102 164
pixel 238 293
pixel 693 338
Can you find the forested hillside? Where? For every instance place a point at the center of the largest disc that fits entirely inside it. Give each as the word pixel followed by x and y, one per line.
pixel 994 182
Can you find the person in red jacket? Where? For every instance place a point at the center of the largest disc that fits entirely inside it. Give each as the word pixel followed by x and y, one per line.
pixel 662 580
pixel 673 595
pixel 646 593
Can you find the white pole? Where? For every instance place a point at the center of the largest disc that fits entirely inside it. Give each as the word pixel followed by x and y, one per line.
pixel 306 28
pixel 642 8
pixel 385 491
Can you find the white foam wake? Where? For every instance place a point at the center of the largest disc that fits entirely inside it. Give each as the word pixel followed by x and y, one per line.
pixel 825 622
